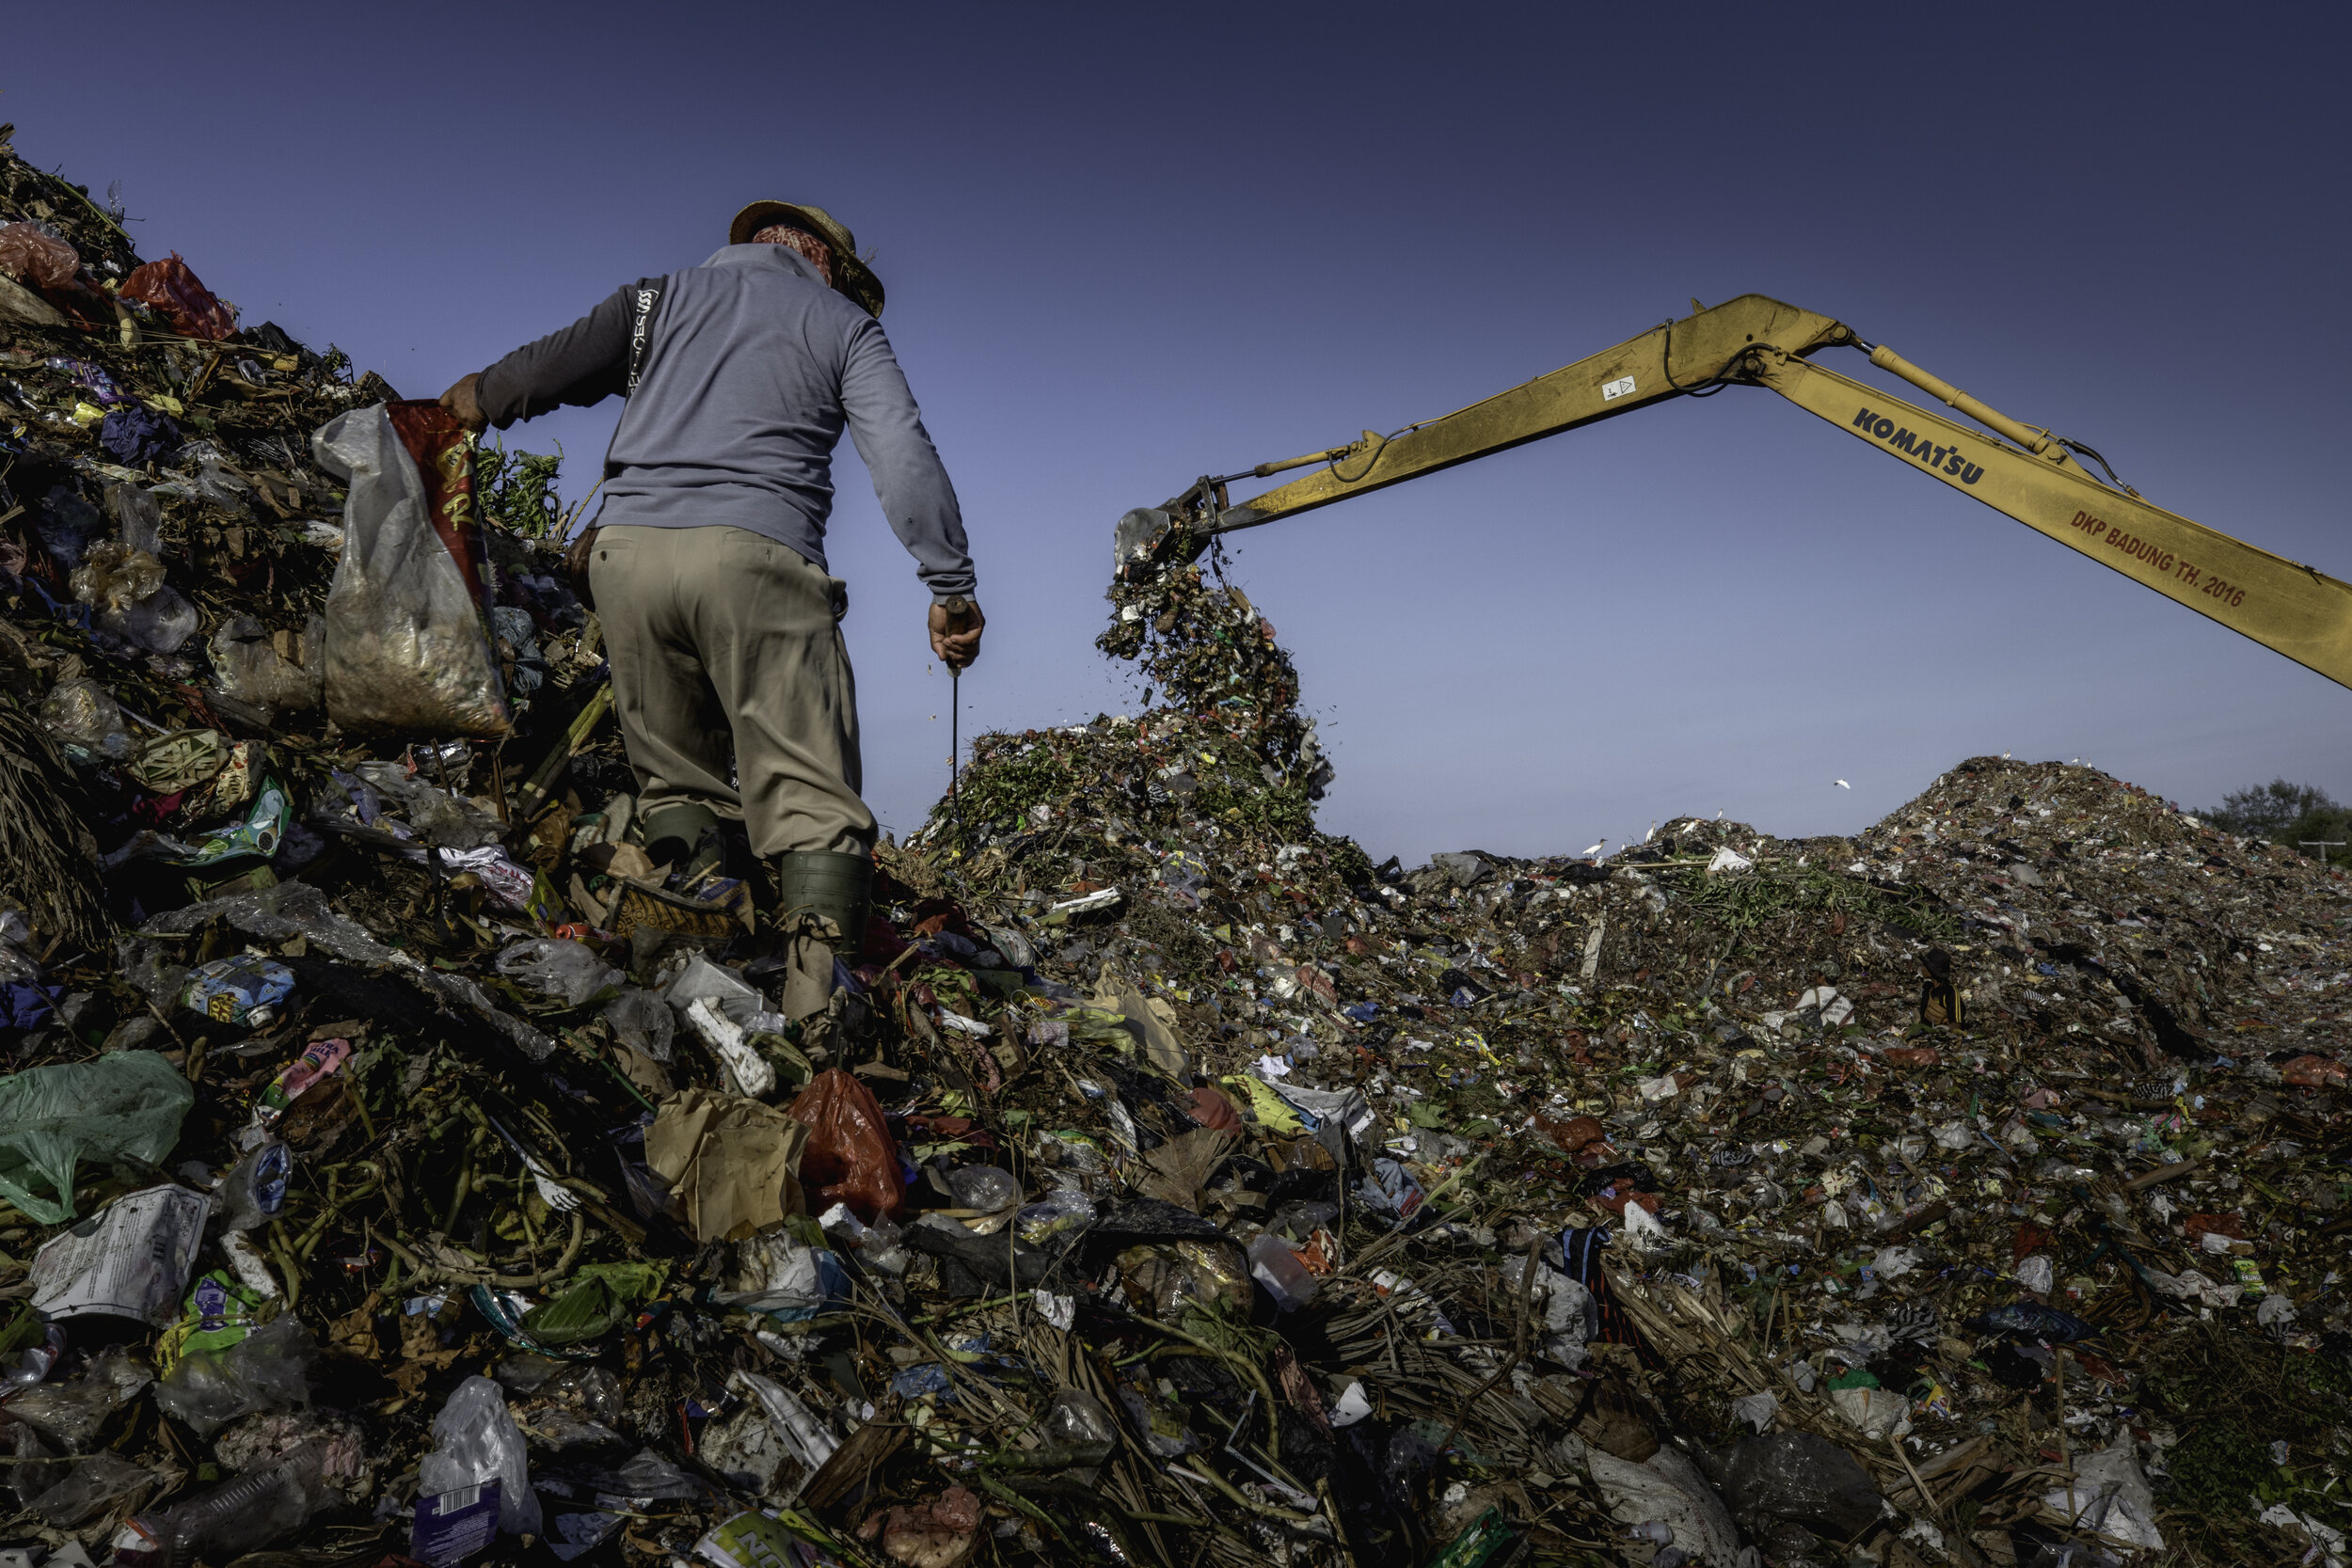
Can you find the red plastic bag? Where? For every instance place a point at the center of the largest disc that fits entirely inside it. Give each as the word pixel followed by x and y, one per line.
pixel 32 258
pixel 1212 1110
pixel 172 286
pixel 851 1157
pixel 2314 1072
pixel 1572 1135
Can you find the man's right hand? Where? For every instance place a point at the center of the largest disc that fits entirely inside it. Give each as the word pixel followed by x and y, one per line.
pixel 465 401
pixel 955 629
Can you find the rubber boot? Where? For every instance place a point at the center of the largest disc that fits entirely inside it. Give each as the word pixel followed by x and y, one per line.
pixel 681 833
pixel 838 886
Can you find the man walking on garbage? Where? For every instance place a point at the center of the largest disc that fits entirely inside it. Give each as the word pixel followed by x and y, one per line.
pixel 707 561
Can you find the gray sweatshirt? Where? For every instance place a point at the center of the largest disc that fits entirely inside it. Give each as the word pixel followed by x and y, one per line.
pixel 754 368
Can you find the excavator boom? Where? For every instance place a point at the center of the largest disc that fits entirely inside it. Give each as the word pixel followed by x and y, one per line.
pixel 2022 472
pixel 2290 609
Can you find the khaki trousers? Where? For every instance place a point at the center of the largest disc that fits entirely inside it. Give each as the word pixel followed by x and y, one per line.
pixel 727 649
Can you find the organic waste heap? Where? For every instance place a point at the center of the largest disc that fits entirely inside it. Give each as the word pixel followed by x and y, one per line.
pixel 395 1162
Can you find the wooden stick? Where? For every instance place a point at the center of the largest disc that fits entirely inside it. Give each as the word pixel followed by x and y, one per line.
pixel 2065 1454
pixel 1934 1507
pixel 2141 1182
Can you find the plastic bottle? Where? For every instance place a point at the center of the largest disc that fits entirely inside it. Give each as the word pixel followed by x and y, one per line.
pixel 234 1518
pixel 255 1189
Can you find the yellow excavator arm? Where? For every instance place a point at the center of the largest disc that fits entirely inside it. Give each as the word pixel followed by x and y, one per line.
pixel 2026 473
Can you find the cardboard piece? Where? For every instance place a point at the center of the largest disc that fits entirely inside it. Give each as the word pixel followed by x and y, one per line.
pixel 732 1163
pixel 1155 1018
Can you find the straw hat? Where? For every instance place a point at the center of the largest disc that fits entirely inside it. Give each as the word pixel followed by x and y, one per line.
pixel 850 275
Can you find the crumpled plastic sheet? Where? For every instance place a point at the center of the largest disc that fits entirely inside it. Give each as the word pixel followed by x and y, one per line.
pixel 297 909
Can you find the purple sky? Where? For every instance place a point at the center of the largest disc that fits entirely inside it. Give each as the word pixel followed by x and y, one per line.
pixel 1126 247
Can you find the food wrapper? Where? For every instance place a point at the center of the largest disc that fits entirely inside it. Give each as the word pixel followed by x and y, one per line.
pixel 318 1060
pixel 181 760
pixel 244 989
pixel 750 1539
pixel 218 1313
pixel 259 832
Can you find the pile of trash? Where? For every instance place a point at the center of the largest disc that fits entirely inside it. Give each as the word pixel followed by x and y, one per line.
pixel 397 1162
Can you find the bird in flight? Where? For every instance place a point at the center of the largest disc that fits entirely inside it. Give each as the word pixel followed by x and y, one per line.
pixel 1842 783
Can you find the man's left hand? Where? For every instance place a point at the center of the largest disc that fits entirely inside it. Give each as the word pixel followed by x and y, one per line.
pixel 465 401
pixel 956 636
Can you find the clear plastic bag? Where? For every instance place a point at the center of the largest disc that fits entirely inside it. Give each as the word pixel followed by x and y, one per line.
pixel 67 525
pixel 984 1188
pixel 439 817
pixel 17 967
pixel 729 994
pixel 643 1022
pixel 84 713
pixel 113 574
pixel 594 1391
pixel 567 971
pixel 407 643
pixel 248 666
pixel 474 1439
pixel 649 1476
pixel 267 1370
pixel 260 1441
pixel 125 1108
pixel 214 479
pixel 1055 1215
pixel 879 1246
pixel 125 586
pixel 138 518
pixel 1168 1281
pixel 79 1490
pixel 74 1412
pixel 34 1361
pixel 1078 1423
pixel 162 623
pixel 148 968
